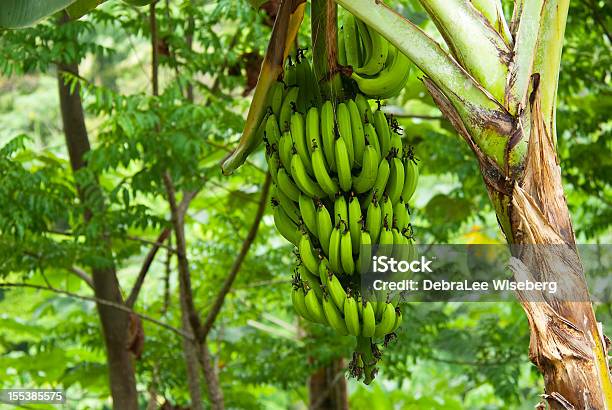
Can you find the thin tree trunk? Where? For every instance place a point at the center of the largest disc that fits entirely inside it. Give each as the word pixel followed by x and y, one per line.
pixel 106 286
pixel 190 352
pixel 327 387
pixel 215 394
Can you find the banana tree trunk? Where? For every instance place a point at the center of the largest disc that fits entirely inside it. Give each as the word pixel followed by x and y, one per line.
pixel 327 387
pixel 498 86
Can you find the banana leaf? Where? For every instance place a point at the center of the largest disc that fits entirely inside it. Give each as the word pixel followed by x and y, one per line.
pixel 23 13
pixel 286 26
pixel 82 7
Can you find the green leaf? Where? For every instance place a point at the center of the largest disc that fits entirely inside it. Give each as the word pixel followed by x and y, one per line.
pixel 23 13
pixel 286 26
pixel 82 7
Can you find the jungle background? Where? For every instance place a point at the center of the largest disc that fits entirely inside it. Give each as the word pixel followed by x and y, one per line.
pixel 165 91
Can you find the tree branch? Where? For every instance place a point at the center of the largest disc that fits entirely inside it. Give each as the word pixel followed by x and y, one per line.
pixel 178 214
pixel 83 275
pixel 131 300
pixel 105 302
pixel 246 245
pixel 149 242
pixel 154 50
pixel 597 18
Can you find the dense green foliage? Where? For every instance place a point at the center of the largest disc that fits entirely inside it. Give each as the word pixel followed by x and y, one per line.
pixel 472 356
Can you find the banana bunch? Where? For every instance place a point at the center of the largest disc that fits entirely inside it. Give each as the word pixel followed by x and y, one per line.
pixel 379 69
pixel 342 182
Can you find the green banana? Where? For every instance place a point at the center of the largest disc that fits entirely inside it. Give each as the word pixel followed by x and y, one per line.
pixel 314 98
pixel 395 185
pixel 310 279
pixel 324 269
pixel 386 242
pixel 288 107
pixel 390 81
pixel 309 213
pixel 313 124
pixel 411 178
pixel 381 303
pixel 276 97
pixel 346 252
pixel 377 50
pixel 351 316
pixel 328 134
pixel 357 132
pixel 387 322
pixel 314 308
pixel 397 244
pixel 299 140
pixel 286 185
pixel 374 219
pixel 290 75
pixel 272 131
pixel 334 317
pixel 355 222
pixel 382 176
pixel 369 321
pixel 303 180
pixel 287 204
pixel 365 251
pixel 285 149
pixel 340 210
pixel 297 297
pixel 334 250
pixel 396 144
pixel 336 291
pixel 372 139
pixel 287 228
pixel 369 171
pixel 324 226
pixel 307 254
pixel 345 130
pixel 273 165
pixel 300 74
pixel 327 184
pixel 365 110
pixel 382 130
pixel 401 217
pixel 343 165
pixel 351 40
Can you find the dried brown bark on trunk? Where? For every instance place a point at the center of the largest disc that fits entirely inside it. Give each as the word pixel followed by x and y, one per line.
pixel 327 387
pixel 114 322
pixel 567 344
